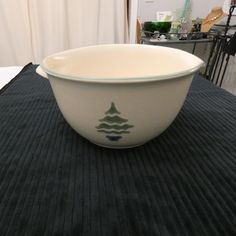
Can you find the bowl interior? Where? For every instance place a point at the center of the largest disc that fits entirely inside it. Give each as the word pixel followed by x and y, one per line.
pixel 121 62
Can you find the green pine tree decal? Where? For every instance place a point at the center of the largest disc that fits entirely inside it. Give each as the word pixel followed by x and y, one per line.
pixel 113 125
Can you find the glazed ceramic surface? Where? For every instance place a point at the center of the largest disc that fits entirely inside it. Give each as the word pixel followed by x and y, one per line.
pixel 120 96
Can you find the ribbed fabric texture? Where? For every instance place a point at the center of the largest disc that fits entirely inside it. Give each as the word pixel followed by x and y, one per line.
pixel 54 182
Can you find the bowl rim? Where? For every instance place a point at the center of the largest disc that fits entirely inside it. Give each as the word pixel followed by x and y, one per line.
pixel 119 80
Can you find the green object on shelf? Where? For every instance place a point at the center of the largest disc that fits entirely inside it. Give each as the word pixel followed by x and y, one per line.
pixel 150 27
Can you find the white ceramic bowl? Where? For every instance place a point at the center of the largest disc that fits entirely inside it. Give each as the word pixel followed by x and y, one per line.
pixel 120 95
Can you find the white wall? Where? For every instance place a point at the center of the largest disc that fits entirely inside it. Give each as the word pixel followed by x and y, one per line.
pixel 200 8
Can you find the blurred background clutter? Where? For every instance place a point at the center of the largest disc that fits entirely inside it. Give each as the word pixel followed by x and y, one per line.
pixel 31 29
pixel 204 28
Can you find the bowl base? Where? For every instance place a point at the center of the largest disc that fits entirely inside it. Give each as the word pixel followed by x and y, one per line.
pixel 117 147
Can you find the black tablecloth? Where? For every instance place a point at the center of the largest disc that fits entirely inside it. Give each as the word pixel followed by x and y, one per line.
pixel 54 182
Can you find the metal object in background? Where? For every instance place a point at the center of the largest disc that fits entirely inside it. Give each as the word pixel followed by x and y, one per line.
pixel 223 47
pixel 193 38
